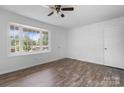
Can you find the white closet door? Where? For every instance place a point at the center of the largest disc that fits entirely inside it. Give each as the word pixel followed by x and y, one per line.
pixel 114 46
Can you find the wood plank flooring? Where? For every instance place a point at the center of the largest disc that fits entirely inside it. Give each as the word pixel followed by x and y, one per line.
pixel 65 73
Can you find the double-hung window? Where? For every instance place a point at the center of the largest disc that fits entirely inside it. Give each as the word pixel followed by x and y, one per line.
pixel 28 40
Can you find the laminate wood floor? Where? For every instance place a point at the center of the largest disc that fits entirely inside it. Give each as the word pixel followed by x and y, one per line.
pixel 65 73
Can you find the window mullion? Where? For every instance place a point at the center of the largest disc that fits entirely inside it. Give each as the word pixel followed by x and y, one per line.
pixel 40 40
pixel 21 39
pixel 14 40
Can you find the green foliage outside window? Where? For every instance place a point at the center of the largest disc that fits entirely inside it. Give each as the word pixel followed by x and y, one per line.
pixel 45 38
pixel 27 42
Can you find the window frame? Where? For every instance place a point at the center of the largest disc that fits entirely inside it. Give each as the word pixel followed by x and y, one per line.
pixel 26 53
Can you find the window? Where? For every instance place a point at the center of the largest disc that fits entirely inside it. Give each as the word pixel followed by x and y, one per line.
pixel 28 40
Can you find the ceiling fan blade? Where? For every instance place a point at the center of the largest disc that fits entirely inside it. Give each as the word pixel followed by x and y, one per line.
pixel 45 6
pixel 48 6
pixel 67 9
pixel 50 13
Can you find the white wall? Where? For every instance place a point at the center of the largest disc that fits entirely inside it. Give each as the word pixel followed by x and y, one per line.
pixel 87 42
pixel 8 64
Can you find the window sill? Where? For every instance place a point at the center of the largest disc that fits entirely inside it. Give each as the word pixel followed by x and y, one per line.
pixel 24 54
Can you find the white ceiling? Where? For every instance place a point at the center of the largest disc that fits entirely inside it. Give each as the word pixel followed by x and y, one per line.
pixel 82 14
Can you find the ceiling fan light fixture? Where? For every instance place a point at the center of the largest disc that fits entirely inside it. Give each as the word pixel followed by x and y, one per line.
pixel 56 14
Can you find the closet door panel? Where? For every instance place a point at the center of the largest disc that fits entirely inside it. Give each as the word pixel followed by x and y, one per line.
pixel 114 46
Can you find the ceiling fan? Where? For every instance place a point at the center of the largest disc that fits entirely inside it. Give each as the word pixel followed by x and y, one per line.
pixel 57 10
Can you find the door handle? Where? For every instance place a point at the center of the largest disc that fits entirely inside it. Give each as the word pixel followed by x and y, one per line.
pixel 105 48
